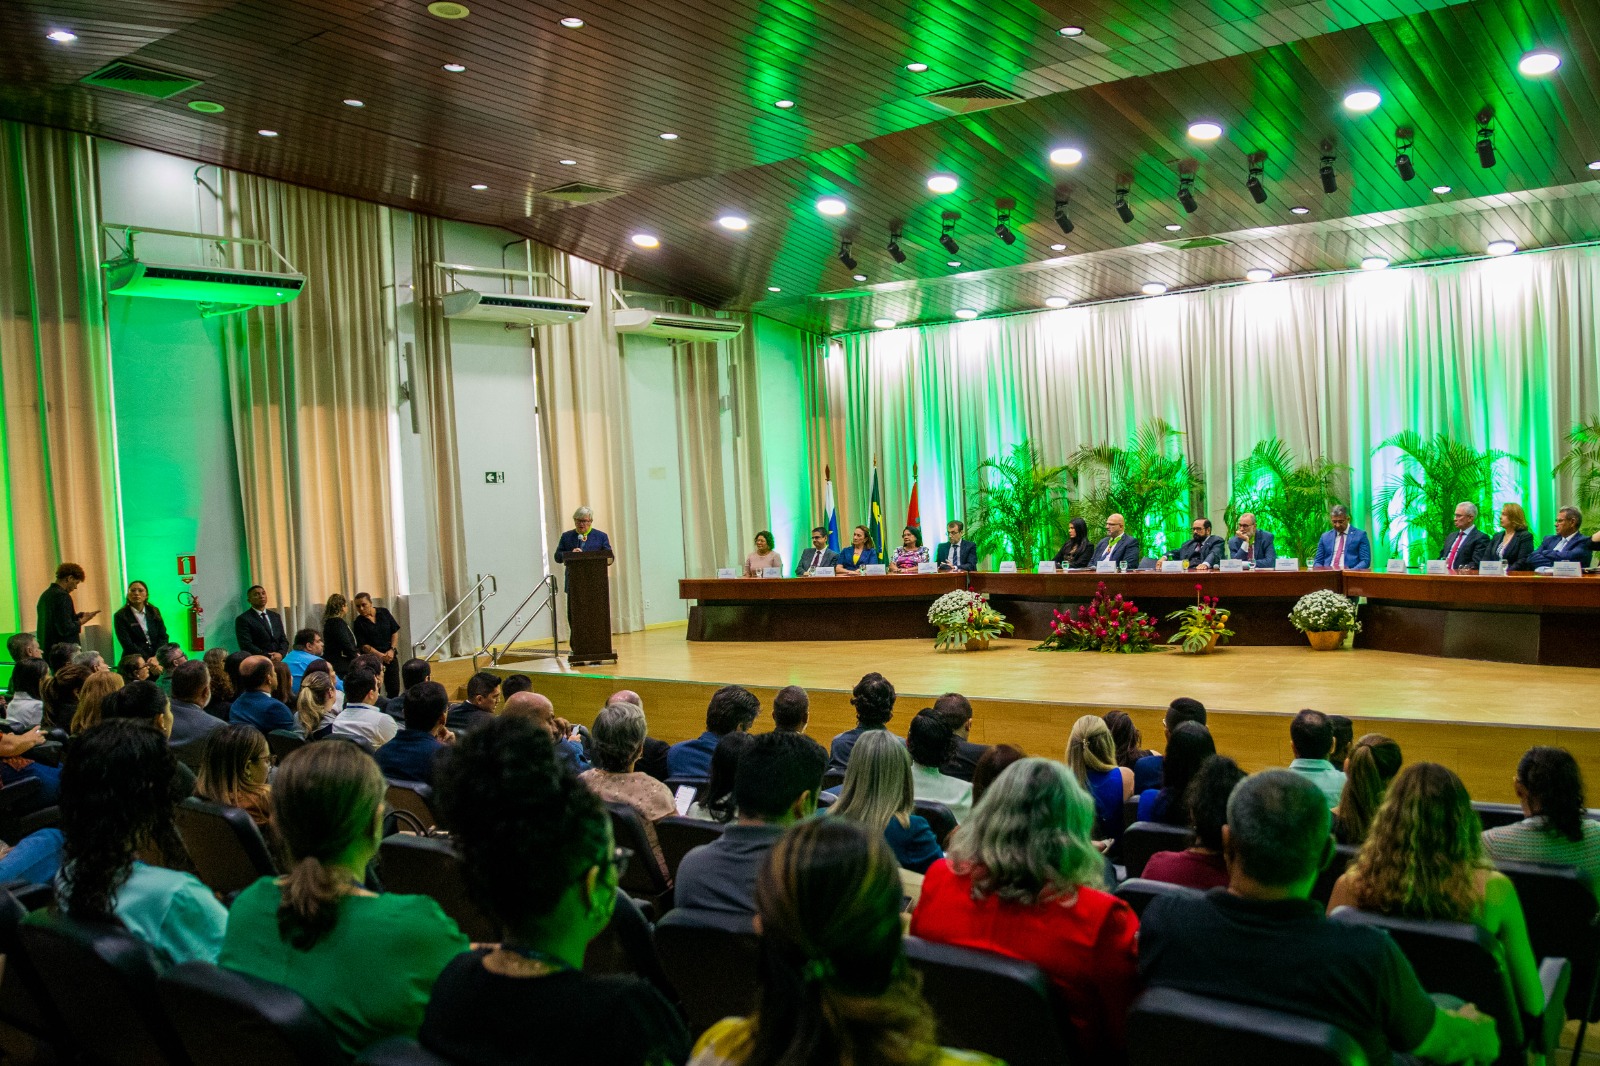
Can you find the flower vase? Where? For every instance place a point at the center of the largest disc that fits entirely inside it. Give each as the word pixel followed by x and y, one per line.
pixel 978 644
pixel 1328 640
pixel 1211 646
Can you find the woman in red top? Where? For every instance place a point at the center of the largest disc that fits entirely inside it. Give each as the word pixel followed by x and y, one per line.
pixel 1021 879
pixel 1201 866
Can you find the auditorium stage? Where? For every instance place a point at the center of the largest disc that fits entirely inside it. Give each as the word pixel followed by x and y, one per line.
pixel 1476 717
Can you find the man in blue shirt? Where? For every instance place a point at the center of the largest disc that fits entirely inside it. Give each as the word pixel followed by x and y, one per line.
pixel 307 650
pixel 414 753
pixel 1311 736
pixel 731 709
pixel 255 706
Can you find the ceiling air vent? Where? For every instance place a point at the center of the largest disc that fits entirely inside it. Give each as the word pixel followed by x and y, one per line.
pixel 579 193
pixel 1189 244
pixel 143 81
pixel 973 96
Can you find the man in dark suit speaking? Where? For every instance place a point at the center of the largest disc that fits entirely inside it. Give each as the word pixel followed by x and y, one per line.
pixel 260 631
pixel 1465 548
pixel 1117 547
pixel 583 537
pixel 816 555
pixel 958 553
pixel 1203 551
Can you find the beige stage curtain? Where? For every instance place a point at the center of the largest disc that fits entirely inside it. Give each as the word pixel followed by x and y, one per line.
pixel 583 420
pixel 309 388
pixel 58 445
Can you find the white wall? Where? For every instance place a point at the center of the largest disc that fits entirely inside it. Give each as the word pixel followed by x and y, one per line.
pixel 648 377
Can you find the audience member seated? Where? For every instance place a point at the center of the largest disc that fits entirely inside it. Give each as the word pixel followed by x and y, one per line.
pixel 255 705
pixel 654 759
pixel 1371 765
pixel 361 720
pixel 1344 734
pixel 168 656
pixel 117 798
pixel 1557 828
pixel 144 701
pixel 878 795
pixel 233 771
pixel 416 750
pixel 230 667
pixel 1127 738
pixel 1311 736
pixel 365 962
pixel 1023 878
pixel 1263 942
pixel 931 744
pixel 1147 771
pixel 413 672
pixel 618 737
pixel 15 766
pixel 283 685
pixel 96 689
pixel 873 699
pixel 35 860
pixel 59 694
pixel 1092 755
pixel 318 702
pixel 60 654
pixel 539 709
pixel 483 697
pixel 1202 865
pixel 1188 747
pixel 791 709
pixel 991 766
pixel 134 667
pixel 20 647
pixel 776 786
pixel 715 802
pixel 538 856
pixel 731 709
pixel 1424 858
pixel 835 986
pixel 956 712
pixel 191 691
pixel 92 660
pixel 26 709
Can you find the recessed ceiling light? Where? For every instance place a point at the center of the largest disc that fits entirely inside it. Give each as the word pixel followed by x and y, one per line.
pixel 785 104
pixel 859 277
pixel 1066 157
pixel 353 102
pixel 1440 190
pixel 734 222
pixel 830 205
pixel 568 162
pixel 1173 227
pixel 669 136
pixel 916 68
pixel 1258 274
pixel 1361 101
pixel 1056 301
pixel 455 68
pixel 1541 62
pixel 966 313
pixel 448 9
pixel 1153 288
pixel 480 187
pixel 1058 247
pixel 572 22
pixel 1205 131
pixel 267 133
pixel 943 183
pixel 1595 165
pixel 646 240
pixel 884 323
pixel 62 36
pixel 1501 247
pixel 774 288
pixel 1071 31
pixel 206 107
pixel 1374 262
pixel 1299 210
pixel 952 262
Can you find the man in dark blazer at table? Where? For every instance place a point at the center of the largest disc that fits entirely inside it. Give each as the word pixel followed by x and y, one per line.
pixel 1467 545
pixel 1343 547
pixel 583 537
pixel 957 553
pixel 1566 546
pixel 260 631
pixel 817 555
pixel 1252 545
pixel 1116 546
pixel 1203 551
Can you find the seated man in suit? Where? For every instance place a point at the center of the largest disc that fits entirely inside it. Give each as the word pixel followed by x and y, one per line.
pixel 415 751
pixel 1465 548
pixel 1343 547
pixel 260 631
pixel 483 696
pixel 255 704
pixel 819 554
pixel 1252 545
pixel 1117 547
pixel 731 708
pixel 1566 546
pixel 583 537
pixel 1203 551
pixel 957 553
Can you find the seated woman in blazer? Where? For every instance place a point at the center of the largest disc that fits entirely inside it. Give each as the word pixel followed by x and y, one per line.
pixel 138 625
pixel 1515 543
pixel 860 553
pixel 1078 551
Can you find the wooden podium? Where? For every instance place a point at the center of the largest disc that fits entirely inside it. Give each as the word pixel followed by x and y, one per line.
pixel 589 608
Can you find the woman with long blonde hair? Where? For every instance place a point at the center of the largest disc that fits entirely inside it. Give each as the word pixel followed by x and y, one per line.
pixel 318 698
pixel 878 794
pixel 91 698
pixel 233 771
pixel 1092 756
pixel 1515 543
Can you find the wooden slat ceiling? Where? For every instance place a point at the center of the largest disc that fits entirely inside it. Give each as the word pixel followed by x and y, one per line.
pixel 1272 72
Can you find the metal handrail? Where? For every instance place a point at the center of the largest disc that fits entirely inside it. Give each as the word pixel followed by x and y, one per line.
pixel 419 648
pixel 549 583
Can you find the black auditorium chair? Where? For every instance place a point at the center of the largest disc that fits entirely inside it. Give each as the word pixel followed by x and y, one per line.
pixel 231 1019
pixel 1137 893
pixel 1460 959
pixel 832 779
pixel 712 960
pixel 1343 856
pixel 1495 815
pixel 414 800
pixel 24 1004
pixel 1168 1027
pixel 1563 919
pixel 1143 839
pixel 224 844
pixel 992 1003
pixel 644 879
pixel 399 1051
pixel 678 836
pixel 429 866
pixel 627 945
pixel 281 742
pixel 18 800
pixel 102 984
pixel 939 819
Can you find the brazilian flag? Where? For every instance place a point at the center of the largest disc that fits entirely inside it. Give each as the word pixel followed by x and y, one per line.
pixel 875 524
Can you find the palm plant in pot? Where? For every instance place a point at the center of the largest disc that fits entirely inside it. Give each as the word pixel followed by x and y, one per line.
pixel 1325 617
pixel 1288 496
pixel 1582 462
pixel 1018 502
pixel 1149 482
pixel 1436 473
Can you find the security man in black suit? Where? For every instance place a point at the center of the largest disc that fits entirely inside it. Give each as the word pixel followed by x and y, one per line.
pixel 260 631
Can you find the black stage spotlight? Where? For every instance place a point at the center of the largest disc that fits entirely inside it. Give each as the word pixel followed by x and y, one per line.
pixel 1403 139
pixel 1002 219
pixel 1330 180
pixel 947 229
pixel 1186 193
pixel 1062 219
pixel 1124 186
pixel 845 257
pixel 1258 189
pixel 895 233
pixel 1485 144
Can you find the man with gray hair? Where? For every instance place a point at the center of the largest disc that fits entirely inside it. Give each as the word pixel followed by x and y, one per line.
pixel 1263 941
pixel 1465 548
pixel 582 537
pixel 1568 545
pixel 1343 547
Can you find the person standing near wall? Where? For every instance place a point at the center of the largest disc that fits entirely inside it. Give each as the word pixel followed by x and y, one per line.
pixel 60 621
pixel 377 633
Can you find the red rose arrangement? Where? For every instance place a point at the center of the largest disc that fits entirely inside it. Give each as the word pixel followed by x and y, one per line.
pixel 1106 623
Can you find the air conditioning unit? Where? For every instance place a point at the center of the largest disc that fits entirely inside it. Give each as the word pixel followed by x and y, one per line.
pixel 216 286
pixel 513 307
pixel 675 326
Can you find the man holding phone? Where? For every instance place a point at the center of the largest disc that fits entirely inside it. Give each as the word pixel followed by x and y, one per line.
pixel 60 621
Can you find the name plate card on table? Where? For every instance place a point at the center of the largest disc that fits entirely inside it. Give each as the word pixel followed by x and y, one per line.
pixel 727 571
pixel 772 571
pixel 1287 564
pixel 1047 566
pixel 1105 566
pixel 1172 566
pixel 1568 568
pixel 822 571
pixel 875 569
pixel 1494 568
pixel 927 568
pixel 1232 566
pixel 1008 567
pixel 1437 567
pixel 1396 566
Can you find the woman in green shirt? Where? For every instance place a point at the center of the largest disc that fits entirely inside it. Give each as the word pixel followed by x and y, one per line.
pixel 365 962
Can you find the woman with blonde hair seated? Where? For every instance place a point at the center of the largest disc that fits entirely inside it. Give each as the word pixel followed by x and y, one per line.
pixel 318 701
pixel 1092 755
pixel 233 771
pixel 878 794
pixel 91 699
pixel 1371 765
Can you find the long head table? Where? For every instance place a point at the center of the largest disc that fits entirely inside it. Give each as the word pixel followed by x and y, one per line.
pixel 1522 618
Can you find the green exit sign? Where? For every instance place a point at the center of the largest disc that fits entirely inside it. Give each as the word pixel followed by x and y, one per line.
pixel 494 477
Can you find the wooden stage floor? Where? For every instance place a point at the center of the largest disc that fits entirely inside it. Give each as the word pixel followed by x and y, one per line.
pixel 1477 717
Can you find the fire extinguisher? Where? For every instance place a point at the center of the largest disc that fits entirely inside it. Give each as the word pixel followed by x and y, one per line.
pixel 197 613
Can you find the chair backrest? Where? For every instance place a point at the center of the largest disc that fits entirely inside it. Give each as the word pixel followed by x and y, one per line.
pixel 826 799
pixel 678 836
pixel 832 779
pixel 429 866
pixel 644 877
pixel 102 983
pixel 399 1051
pixel 1143 839
pixel 939 818
pixel 991 1003
pixel 231 1019
pixel 1148 563
pixel 1343 856
pixel 224 844
pixel 1137 893
pixel 627 945
pixel 282 742
pixel 1563 918
pixel 713 961
pixel 17 800
pixel 1495 815
pixel 413 797
pixel 1168 1026
pixel 23 1002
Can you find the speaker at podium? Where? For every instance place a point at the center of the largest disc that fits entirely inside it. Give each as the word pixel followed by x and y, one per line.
pixel 589 607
